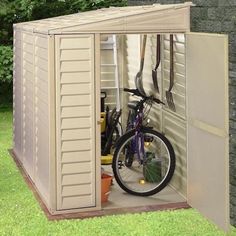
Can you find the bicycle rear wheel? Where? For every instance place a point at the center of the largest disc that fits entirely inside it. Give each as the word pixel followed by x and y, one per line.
pixel 152 165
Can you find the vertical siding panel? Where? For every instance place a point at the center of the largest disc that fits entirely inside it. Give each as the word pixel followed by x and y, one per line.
pixel 174 123
pixel 175 130
pixel 17 96
pixel 31 117
pixel 42 157
pixel 28 103
pixel 178 90
pixel 71 98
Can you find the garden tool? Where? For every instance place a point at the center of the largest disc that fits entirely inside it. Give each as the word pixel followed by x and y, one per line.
pixel 158 60
pixel 169 95
pixel 139 75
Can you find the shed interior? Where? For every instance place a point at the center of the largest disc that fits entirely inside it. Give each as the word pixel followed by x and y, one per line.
pixel 118 71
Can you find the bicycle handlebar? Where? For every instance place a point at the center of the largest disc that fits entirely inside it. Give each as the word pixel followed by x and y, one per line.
pixel 137 93
pixel 134 92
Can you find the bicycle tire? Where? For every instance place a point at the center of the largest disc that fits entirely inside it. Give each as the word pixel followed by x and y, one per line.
pixel 110 142
pixel 115 164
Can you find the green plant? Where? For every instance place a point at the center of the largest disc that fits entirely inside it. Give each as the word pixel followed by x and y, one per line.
pixel 85 5
pixel 6 59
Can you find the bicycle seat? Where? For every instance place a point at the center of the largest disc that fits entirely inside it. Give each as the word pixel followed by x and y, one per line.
pixel 132 104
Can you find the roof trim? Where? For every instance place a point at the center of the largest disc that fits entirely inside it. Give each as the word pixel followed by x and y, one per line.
pixel 150 18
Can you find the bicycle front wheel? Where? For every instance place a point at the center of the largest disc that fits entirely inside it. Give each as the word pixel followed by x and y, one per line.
pixel 152 166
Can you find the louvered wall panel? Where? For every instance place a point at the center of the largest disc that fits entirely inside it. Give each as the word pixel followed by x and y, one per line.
pixel 42 157
pixel 108 84
pixel 174 129
pixel 75 121
pixel 17 96
pixel 28 104
pixel 149 65
pixel 132 54
pixel 133 63
pixel 163 120
pixel 133 57
pixel 178 91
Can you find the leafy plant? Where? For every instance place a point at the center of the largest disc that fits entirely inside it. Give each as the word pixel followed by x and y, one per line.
pixel 6 59
pixel 85 5
pixel 15 11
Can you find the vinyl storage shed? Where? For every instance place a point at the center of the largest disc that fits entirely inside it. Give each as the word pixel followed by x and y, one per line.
pixel 57 73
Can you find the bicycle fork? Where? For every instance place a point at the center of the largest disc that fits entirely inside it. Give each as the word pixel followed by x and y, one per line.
pixel 139 146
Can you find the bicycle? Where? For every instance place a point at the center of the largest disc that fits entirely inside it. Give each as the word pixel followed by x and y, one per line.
pixel 111 134
pixel 144 159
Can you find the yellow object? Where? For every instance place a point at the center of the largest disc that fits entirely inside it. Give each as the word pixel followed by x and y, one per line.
pixel 103 121
pixel 141 181
pixel 105 160
pixel 147 144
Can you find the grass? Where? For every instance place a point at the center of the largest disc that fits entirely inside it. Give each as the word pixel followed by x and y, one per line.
pixel 20 213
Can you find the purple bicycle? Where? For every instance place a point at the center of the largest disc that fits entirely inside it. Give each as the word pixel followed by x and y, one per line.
pixel 144 159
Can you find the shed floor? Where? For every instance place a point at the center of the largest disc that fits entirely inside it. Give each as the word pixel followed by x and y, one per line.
pixel 119 198
pixel 119 201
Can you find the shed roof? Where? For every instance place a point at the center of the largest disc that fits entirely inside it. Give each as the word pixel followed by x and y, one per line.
pixel 148 18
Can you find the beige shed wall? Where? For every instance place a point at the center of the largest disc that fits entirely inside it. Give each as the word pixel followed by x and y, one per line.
pixel 42 115
pixel 75 122
pixel 17 96
pixel 174 123
pixel 28 104
pixel 31 107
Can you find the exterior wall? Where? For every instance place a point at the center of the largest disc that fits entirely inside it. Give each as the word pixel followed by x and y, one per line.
pixel 41 111
pixel 217 16
pixel 17 96
pixel 31 109
pixel 28 103
pixel 34 126
pixel 75 114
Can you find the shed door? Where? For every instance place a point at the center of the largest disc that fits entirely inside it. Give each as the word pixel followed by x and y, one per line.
pixel 207 111
pixel 75 105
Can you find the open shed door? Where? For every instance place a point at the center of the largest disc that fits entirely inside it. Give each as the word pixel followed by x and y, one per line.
pixel 207 120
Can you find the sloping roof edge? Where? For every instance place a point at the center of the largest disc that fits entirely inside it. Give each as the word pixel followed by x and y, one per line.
pixel 116 19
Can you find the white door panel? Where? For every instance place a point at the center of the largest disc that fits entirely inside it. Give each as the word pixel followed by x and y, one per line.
pixel 207 121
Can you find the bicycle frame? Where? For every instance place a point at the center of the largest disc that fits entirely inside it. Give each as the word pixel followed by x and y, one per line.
pixel 137 145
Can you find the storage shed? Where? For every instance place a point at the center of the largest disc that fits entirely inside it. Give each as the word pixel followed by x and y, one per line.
pixel 60 66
